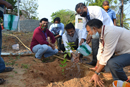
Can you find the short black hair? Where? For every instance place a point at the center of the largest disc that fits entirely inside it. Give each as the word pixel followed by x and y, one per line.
pixel 69 26
pixel 43 19
pixel 79 5
pixel 105 1
pixel 95 23
pixel 57 19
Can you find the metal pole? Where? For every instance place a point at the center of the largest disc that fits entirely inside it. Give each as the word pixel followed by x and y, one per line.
pixel 122 13
pixel 19 17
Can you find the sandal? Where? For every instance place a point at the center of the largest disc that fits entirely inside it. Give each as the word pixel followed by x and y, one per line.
pixel 2 80
pixel 8 69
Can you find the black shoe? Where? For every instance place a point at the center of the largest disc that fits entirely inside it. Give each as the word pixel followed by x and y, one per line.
pixel 92 63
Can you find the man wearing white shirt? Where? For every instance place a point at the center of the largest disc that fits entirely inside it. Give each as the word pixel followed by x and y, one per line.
pixel 112 39
pixel 89 13
pixel 57 29
pixel 71 35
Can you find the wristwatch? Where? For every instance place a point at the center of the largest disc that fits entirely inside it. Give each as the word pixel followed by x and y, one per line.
pixel 97 73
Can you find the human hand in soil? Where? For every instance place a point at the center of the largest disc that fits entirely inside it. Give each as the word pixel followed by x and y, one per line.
pixel 89 39
pixel 97 80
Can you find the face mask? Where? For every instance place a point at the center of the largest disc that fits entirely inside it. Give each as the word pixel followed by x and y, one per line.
pixel 44 27
pixel 84 14
pixel 106 7
pixel 56 25
pixel 95 36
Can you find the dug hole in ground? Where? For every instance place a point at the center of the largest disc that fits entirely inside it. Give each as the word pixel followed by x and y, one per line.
pixel 31 72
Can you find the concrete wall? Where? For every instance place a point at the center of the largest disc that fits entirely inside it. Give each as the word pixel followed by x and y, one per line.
pixel 29 25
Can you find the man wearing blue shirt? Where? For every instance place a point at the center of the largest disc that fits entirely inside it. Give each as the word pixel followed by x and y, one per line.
pixel 57 28
pixel 110 12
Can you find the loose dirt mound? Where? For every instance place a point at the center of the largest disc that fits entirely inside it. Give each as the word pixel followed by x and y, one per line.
pixel 31 72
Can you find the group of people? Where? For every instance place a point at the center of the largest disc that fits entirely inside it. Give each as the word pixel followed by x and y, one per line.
pixel 110 43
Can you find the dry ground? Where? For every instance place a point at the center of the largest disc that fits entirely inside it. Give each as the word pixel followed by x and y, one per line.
pixel 31 72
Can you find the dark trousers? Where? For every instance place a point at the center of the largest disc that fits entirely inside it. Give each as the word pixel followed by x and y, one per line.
pixel 2 63
pixel 116 64
pixel 58 42
pixel 95 46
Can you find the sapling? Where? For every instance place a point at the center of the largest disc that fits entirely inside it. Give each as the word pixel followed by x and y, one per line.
pixel 67 52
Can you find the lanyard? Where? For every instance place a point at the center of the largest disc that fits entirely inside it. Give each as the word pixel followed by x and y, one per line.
pixel 45 34
pixel 102 39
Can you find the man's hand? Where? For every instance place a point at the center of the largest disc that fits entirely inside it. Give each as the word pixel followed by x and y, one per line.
pixel 75 57
pixel 57 36
pixel 97 80
pixel 52 45
pixel 82 40
pixel 89 39
pixel 8 5
pixel 94 69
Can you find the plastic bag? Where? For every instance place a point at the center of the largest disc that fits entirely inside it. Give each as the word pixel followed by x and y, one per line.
pixel 15 46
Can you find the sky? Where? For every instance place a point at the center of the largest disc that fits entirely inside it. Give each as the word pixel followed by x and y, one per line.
pixel 47 7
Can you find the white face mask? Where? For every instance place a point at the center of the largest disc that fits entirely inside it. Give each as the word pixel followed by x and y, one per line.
pixel 95 36
pixel 56 25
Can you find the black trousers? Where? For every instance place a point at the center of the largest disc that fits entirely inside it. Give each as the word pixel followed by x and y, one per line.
pixel 58 42
pixel 95 46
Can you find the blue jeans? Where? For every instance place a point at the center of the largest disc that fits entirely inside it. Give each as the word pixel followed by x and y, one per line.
pixel 2 63
pixel 116 64
pixel 44 49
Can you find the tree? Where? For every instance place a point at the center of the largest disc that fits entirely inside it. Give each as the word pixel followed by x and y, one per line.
pixel 13 3
pixel 115 5
pixel 66 16
pixel 30 8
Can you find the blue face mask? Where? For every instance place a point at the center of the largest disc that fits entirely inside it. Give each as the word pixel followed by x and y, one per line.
pixel 56 25
pixel 95 36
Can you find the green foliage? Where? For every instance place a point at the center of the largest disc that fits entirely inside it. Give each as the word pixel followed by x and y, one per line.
pixel 12 61
pixel 1 19
pixel 66 16
pixel 29 7
pixel 25 66
pixel 99 2
pixel 13 3
pixel 125 20
pixel 115 5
